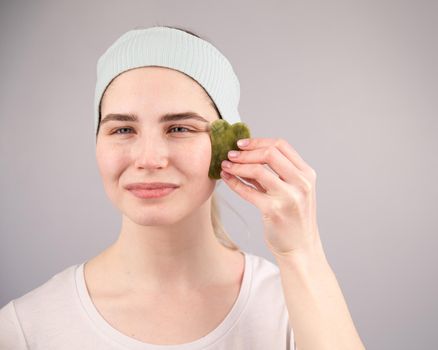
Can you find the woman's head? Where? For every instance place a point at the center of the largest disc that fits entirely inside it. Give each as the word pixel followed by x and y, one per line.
pixel 151 74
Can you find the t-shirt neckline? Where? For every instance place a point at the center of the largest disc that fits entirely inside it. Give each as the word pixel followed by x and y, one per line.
pixel 133 344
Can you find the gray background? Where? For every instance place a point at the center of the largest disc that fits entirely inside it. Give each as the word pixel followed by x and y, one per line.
pixel 351 85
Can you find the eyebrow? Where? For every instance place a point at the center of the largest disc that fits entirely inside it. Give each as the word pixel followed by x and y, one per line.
pixel 168 117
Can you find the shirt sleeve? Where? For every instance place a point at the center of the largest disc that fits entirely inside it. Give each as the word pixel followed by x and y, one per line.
pixel 11 334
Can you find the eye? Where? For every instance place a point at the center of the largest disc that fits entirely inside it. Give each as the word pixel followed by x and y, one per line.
pixel 180 127
pixel 120 131
pixel 116 131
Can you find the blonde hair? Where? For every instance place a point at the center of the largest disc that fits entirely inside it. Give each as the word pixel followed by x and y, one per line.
pixel 219 230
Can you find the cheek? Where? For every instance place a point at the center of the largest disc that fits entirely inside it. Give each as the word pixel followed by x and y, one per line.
pixel 199 158
pixel 108 162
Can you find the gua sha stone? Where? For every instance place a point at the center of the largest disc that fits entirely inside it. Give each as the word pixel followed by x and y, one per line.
pixel 223 139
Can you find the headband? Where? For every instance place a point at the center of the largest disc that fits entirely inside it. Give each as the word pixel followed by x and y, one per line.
pixel 176 49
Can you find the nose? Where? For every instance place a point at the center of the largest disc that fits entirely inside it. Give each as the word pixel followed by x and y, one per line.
pixel 150 152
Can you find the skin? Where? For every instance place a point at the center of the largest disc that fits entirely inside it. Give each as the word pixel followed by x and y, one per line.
pixel 169 245
pixel 286 198
pixel 165 244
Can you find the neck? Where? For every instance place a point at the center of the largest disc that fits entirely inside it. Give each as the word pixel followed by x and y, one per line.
pixel 181 256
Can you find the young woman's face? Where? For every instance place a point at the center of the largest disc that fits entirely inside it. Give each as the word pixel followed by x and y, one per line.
pixel 150 150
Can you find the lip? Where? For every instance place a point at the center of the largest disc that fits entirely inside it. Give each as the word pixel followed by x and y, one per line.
pixel 154 193
pixel 151 190
pixel 150 185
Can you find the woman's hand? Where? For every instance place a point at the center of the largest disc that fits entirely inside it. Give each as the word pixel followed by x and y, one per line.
pixel 285 195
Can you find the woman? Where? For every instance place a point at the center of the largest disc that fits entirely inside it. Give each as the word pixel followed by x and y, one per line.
pixel 173 277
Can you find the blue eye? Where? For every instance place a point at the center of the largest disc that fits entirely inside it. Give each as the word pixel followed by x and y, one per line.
pixel 116 131
pixel 180 127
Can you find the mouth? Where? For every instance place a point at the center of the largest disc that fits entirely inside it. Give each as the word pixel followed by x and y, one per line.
pixel 152 193
pixel 150 185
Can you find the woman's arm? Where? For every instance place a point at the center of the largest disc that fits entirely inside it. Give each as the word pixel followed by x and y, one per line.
pixel 318 312
pixel 286 198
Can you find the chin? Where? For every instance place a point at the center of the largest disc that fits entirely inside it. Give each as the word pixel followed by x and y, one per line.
pixel 164 212
pixel 151 221
pixel 156 216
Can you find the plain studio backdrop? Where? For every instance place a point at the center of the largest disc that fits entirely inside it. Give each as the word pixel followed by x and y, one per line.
pixel 351 85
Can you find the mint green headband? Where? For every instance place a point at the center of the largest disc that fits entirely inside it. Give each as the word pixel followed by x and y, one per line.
pixel 172 48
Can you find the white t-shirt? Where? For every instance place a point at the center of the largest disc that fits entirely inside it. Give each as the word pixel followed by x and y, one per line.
pixel 60 314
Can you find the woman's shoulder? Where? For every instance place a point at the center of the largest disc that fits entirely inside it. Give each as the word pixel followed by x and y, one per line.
pixel 263 266
pixel 265 275
pixel 266 298
pixel 49 294
pixel 38 310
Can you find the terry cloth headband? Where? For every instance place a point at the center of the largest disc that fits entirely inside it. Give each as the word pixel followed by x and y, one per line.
pixel 172 48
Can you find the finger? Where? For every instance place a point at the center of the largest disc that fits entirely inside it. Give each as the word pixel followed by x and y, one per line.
pixel 249 193
pixel 285 148
pixel 255 184
pixel 268 180
pixel 275 159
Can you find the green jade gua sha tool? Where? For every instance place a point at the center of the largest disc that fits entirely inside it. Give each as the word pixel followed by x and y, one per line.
pixel 224 138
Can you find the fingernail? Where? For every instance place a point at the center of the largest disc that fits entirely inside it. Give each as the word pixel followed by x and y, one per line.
pixel 243 142
pixel 226 164
pixel 233 153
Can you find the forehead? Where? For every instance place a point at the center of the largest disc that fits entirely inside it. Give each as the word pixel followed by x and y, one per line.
pixel 156 79
pixel 158 90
